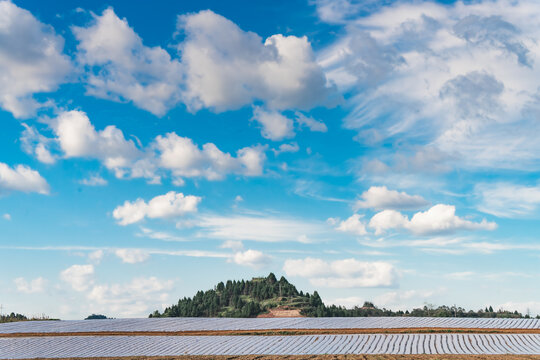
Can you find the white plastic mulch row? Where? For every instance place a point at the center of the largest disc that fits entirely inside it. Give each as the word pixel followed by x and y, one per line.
pixel 195 324
pixel 111 346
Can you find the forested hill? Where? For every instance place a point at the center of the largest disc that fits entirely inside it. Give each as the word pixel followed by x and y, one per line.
pixel 259 295
pixel 243 299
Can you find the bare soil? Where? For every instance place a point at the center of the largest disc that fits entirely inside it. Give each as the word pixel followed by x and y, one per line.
pixel 281 313
pixel 282 332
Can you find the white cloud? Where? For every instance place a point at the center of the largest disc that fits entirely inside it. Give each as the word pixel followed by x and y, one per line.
pixel 286 148
pixel 160 235
pixel 238 199
pixel 234 245
pixel 524 307
pixel 31 60
pixel 119 67
pixel 77 137
pixel 259 228
pixel 388 219
pixel 379 197
pixel 94 180
pixel 396 299
pixel 251 258
pixel 341 11
pixel 184 159
pixel 439 219
pixel 348 302
pixel 347 273
pixel 311 123
pixel 80 277
pixel 96 256
pixel 6 216
pixel 352 225
pixel 169 205
pixel 227 68
pixel 22 178
pixel 507 200
pixel 463 77
pixel 133 299
pixel 33 286
pixel 275 126
pixel 132 256
pixel 33 143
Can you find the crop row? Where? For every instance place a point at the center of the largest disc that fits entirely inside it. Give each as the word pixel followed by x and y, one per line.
pixel 201 324
pixel 113 346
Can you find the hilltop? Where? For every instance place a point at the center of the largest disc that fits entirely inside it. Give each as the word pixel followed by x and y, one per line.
pixel 269 297
pixel 245 299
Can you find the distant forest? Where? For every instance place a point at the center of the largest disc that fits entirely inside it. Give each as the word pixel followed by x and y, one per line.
pixel 12 318
pixel 254 297
pixel 5 318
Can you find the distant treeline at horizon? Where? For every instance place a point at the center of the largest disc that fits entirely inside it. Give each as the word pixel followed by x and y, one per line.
pixel 257 296
pixel 13 317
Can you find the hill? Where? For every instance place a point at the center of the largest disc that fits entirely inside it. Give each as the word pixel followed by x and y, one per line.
pixel 243 299
pixel 269 297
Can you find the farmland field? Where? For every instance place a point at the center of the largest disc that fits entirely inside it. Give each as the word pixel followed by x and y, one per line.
pixel 118 346
pixel 227 324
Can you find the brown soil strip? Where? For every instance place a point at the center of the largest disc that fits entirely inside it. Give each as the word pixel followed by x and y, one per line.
pixel 281 332
pixel 322 357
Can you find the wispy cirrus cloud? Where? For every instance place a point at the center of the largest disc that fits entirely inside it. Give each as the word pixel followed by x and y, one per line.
pixel 470 66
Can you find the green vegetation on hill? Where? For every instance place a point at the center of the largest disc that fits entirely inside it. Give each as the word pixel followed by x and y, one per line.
pixel 239 299
pixel 96 317
pixel 254 297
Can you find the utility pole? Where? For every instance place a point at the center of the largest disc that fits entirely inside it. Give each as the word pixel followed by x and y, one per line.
pixel 1 308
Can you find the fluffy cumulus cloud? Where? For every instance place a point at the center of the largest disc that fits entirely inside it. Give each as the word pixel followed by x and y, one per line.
pixel 77 138
pixel 286 148
pixel 74 136
pixel 227 68
pixel 252 258
pixel 79 277
pixel 185 159
pixel 31 60
pixel 131 256
pixel 120 67
pixel 439 219
pixel 275 126
pixel 22 178
pixel 508 200
pixel 33 286
pixel 379 197
pixel 463 78
pixel 169 205
pixel 347 273
pixel 353 225
pixel 219 66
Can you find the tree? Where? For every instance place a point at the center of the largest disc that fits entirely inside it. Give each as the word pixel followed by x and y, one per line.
pixel 95 317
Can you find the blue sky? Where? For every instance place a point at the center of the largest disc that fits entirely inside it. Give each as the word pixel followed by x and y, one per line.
pixel 382 151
